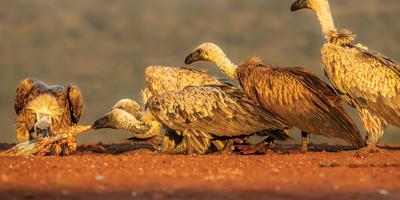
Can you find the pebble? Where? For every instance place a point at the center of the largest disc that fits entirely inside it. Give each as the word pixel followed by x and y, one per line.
pixel 383 192
pixel 65 192
pixel 99 177
pixel 336 187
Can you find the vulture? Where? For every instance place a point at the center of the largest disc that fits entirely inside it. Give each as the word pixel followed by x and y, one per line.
pixel 364 79
pixel 42 109
pixel 161 79
pixel 293 94
pixel 199 114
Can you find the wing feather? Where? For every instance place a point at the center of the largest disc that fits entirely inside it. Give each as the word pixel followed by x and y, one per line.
pixel 22 93
pixel 160 79
pixel 220 110
pixel 366 79
pixel 300 98
pixel 76 103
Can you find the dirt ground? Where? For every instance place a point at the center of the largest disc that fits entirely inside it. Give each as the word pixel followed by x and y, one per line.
pixel 106 172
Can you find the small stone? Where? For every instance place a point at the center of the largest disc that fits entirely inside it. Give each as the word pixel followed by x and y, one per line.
pixel 133 193
pixel 65 192
pixel 99 177
pixel 383 192
pixel 336 187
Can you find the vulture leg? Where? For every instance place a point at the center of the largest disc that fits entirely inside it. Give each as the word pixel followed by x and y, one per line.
pixel 304 142
pixel 270 142
pixel 180 149
pixel 259 148
pixel 229 146
pixel 219 144
pixel 374 127
pixel 155 141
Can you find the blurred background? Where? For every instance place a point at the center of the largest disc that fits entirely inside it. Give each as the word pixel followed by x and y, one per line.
pixel 103 46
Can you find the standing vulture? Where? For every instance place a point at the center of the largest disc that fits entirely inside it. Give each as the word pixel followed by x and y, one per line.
pixel 293 94
pixel 42 109
pixel 198 114
pixel 366 80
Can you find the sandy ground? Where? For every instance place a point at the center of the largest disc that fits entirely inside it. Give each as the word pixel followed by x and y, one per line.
pixel 94 173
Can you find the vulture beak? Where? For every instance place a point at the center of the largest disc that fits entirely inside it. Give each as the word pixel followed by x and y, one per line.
pixel 103 122
pixel 42 127
pixel 299 4
pixel 193 57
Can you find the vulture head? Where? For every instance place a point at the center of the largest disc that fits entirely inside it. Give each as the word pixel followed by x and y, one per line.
pixel 309 4
pixel 47 111
pixel 124 115
pixel 205 52
pixel 212 53
pixel 116 119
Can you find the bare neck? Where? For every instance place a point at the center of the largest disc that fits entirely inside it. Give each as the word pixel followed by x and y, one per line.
pixel 138 128
pixel 325 19
pixel 225 65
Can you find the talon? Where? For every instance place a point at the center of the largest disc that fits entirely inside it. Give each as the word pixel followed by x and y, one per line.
pixel 252 149
pixel 364 152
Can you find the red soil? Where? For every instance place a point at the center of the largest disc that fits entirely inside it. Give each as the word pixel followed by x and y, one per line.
pixel 93 173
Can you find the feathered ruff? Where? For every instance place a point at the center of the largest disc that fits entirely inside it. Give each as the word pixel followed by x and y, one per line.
pixel 341 38
pixel 47 105
pixel 254 60
pixel 146 94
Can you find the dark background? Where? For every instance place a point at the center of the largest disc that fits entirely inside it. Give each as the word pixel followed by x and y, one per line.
pixel 103 46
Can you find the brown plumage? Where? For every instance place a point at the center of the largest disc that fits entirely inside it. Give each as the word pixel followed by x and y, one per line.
pixel 63 104
pixel 366 80
pixel 198 114
pixel 161 79
pixel 293 94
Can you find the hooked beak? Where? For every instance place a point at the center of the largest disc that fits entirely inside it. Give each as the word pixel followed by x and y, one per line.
pixel 193 57
pixel 42 127
pixel 299 4
pixel 102 123
pixel 43 123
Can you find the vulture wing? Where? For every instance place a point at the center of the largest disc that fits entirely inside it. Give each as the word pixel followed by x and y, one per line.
pixel 22 93
pixel 219 110
pixel 300 98
pixel 76 103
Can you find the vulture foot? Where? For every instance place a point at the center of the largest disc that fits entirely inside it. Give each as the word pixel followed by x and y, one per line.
pixel 368 150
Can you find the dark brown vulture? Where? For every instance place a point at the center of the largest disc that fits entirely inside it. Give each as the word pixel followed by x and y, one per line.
pixel 42 109
pixel 293 94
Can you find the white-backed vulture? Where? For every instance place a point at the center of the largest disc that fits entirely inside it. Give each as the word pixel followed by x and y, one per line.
pixel 198 114
pixel 46 109
pixel 161 79
pixel 366 80
pixel 293 94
